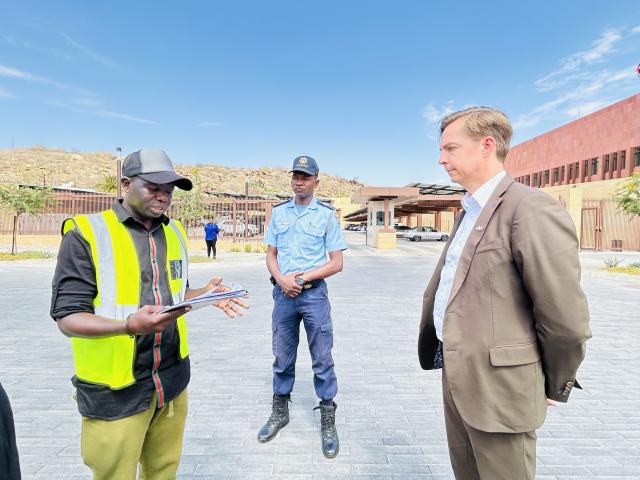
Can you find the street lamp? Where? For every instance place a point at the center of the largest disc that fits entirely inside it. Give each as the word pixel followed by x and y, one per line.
pixel 119 172
pixel 246 206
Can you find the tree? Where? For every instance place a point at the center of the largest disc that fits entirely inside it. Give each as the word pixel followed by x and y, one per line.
pixel 19 200
pixel 628 195
pixel 190 205
pixel 108 184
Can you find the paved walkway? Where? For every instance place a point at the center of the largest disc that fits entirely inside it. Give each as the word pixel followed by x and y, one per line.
pixel 389 415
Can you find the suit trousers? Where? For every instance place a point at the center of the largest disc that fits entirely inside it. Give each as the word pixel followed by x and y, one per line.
pixel 112 449
pixel 478 455
pixel 311 307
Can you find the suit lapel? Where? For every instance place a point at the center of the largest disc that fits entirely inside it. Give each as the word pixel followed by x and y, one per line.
pixel 476 235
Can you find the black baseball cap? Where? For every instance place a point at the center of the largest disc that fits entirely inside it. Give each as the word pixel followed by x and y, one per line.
pixel 306 165
pixel 154 166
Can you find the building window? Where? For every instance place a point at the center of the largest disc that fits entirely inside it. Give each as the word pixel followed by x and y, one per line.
pixel 606 163
pixel 562 173
pixel 585 170
pixel 535 180
pixel 528 180
pixel 623 159
pixel 570 176
pixel 546 177
pixel 637 155
pixel 615 162
pixel 594 166
pixel 577 171
pixel 556 175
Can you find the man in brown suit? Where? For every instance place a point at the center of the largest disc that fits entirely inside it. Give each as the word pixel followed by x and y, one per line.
pixel 504 313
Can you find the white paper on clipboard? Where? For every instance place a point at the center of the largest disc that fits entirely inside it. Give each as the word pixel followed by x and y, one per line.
pixel 234 290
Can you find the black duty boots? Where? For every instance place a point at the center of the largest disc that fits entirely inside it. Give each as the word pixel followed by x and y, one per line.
pixel 330 442
pixel 278 419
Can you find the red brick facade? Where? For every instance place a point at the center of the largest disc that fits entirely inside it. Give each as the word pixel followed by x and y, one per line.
pixel 599 146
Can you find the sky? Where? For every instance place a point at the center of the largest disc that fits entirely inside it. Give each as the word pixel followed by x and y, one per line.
pixel 360 85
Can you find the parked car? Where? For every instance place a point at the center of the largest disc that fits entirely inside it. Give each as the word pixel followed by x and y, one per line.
pixel 401 230
pixel 226 227
pixel 357 227
pixel 418 234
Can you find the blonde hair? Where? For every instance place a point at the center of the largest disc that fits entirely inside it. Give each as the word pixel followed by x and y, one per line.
pixel 481 122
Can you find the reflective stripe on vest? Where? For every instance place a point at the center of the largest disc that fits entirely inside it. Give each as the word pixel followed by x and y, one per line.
pixel 109 361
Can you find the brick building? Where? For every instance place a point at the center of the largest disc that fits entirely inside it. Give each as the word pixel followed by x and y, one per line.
pixel 582 164
pixel 601 146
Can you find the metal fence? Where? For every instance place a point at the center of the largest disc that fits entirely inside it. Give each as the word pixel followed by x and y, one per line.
pixel 604 227
pixel 239 220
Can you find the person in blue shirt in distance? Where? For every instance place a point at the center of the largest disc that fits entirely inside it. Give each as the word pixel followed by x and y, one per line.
pixel 211 230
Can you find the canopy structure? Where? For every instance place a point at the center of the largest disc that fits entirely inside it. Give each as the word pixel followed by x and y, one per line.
pixel 384 204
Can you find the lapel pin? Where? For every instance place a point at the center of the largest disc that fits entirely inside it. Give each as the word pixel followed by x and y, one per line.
pixel 479 228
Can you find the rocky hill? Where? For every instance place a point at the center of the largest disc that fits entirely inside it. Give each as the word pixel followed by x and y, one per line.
pixel 57 167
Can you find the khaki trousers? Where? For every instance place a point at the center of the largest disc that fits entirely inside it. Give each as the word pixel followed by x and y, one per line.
pixel 112 449
pixel 478 455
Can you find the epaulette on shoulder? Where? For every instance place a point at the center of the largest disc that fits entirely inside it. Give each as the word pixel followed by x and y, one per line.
pixel 281 203
pixel 327 205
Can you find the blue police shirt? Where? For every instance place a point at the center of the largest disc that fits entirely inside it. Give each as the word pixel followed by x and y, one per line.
pixel 303 239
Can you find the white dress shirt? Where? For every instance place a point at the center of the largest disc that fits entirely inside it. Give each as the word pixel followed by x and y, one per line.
pixel 473 205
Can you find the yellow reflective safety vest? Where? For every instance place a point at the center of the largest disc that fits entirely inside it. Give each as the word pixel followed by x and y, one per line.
pixel 109 361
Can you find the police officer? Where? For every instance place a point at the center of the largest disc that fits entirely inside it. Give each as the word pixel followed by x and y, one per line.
pixel 300 234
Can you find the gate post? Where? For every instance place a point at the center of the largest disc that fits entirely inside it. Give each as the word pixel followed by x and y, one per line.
pixel 574 207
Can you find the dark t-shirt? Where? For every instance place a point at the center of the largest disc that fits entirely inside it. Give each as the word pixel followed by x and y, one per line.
pixel 74 288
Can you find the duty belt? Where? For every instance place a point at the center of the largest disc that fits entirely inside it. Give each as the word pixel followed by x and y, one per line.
pixel 305 286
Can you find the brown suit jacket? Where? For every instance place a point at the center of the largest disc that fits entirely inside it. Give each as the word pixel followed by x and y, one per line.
pixel 517 320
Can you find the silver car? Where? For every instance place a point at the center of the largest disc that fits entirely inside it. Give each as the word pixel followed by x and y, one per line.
pixel 418 234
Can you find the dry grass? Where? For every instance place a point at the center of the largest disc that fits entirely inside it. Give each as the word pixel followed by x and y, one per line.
pixel 56 167
pixel 28 255
pixel 630 270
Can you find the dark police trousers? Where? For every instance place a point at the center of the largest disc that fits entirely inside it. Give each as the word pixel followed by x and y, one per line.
pixel 311 307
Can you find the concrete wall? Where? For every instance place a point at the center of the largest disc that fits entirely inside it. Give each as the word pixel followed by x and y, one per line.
pixel 345 207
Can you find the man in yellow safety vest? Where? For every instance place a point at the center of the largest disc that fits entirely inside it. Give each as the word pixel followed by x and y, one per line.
pixel 116 270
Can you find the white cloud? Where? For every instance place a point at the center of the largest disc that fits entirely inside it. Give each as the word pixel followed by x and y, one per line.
pixel 88 52
pixel 585 82
pixel 583 109
pixel 87 102
pixel 11 72
pixel 580 100
pixel 433 114
pixel 209 124
pixel 123 116
pixel 636 29
pixel 93 108
pixel 602 47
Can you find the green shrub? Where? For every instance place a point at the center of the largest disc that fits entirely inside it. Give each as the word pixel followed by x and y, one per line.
pixel 611 262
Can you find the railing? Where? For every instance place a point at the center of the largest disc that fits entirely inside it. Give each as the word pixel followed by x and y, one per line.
pixel 239 220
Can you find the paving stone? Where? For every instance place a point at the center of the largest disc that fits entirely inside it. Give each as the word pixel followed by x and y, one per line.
pixel 389 418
